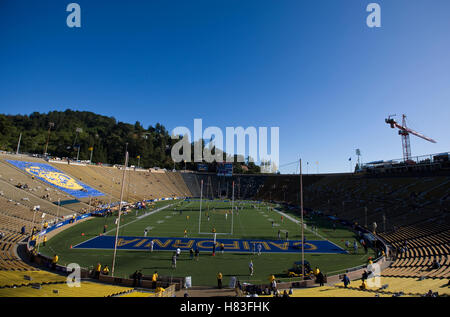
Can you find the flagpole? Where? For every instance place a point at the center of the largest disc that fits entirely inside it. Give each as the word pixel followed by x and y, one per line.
pixel 92 151
pixel 120 211
pixel 301 210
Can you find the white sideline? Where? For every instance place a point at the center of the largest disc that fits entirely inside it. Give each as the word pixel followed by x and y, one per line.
pixel 298 222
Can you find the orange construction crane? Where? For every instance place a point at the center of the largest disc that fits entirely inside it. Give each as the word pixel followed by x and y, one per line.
pixel 404 132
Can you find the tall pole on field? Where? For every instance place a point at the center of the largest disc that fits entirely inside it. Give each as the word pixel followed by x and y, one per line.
pixel 201 197
pixel 57 211
pixel 120 211
pixel 232 209
pixel 301 210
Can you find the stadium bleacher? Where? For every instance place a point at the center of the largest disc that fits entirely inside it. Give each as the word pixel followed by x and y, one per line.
pixel 412 209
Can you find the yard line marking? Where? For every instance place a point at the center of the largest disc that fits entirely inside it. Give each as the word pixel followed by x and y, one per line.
pixel 298 222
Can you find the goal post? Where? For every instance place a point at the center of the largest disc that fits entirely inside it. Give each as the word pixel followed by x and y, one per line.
pixel 218 218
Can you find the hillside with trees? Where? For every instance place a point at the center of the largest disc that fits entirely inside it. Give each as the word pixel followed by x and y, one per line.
pixel 68 130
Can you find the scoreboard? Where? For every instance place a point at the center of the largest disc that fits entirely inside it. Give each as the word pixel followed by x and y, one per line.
pixel 224 169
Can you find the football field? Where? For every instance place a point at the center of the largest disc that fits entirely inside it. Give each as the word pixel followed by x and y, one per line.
pixel 240 231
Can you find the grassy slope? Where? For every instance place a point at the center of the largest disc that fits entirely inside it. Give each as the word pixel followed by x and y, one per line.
pixel 250 223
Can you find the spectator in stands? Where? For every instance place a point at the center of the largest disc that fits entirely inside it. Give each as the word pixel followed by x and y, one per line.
pixel 346 280
pixel 436 265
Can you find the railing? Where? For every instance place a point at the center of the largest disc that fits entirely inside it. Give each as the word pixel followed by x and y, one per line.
pixel 415 160
pixel 168 292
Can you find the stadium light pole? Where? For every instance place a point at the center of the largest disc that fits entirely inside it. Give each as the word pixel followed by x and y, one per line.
pixel 18 144
pixel 50 126
pixel 301 211
pixel 78 152
pixel 92 152
pixel 120 211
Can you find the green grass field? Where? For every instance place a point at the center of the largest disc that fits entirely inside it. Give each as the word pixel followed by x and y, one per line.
pixel 249 222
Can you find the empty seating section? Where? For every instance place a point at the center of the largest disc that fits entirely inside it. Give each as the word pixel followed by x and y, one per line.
pixel 139 185
pixel 331 291
pixel 20 278
pixel 177 179
pixel 30 200
pixel 192 182
pixel 20 213
pixel 8 258
pixel 86 289
pixel 16 177
pixel 418 250
pixel 406 285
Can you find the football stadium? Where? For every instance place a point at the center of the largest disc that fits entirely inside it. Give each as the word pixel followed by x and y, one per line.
pixel 94 205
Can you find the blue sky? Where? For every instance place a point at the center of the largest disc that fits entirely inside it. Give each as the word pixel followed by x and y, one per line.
pixel 312 68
